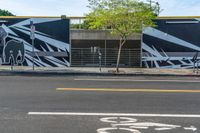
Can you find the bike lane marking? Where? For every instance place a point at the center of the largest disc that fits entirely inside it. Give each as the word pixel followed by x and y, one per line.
pixel 124 122
pixel 135 126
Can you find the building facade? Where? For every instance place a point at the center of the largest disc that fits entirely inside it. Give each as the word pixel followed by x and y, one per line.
pixel 173 43
pixel 84 42
pixel 49 45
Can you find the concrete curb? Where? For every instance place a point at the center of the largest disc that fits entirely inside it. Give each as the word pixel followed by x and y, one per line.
pixel 73 73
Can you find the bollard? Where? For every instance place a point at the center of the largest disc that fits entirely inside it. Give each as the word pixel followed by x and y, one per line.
pixel 11 59
pixel 100 57
pixel 197 71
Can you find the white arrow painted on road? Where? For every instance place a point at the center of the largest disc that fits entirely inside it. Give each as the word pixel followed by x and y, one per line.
pixel 192 128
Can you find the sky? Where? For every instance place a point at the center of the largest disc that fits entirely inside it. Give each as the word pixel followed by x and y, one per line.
pixel 79 7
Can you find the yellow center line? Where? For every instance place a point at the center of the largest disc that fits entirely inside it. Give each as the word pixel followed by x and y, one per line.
pixel 128 90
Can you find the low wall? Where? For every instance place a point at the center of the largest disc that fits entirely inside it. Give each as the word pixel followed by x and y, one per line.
pixel 97 35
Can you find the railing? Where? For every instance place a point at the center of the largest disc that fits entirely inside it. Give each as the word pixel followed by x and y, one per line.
pixel 85 57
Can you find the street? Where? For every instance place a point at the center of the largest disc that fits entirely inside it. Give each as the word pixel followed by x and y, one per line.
pixel 84 104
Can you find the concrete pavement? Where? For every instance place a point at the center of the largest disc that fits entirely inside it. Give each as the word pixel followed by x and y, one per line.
pixel 24 100
pixel 94 71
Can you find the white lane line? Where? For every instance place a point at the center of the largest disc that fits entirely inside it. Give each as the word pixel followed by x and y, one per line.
pixel 114 114
pixel 131 80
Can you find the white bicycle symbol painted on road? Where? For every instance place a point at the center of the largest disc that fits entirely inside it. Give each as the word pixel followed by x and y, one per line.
pixel 132 125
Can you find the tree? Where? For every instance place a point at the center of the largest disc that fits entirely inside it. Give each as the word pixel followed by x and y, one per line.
pixel 5 13
pixel 123 17
pixel 84 25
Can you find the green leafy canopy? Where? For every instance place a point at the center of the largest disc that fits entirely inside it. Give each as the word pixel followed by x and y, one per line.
pixel 5 13
pixel 122 17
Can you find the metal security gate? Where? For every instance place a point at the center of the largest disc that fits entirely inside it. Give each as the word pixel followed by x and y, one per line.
pixel 85 57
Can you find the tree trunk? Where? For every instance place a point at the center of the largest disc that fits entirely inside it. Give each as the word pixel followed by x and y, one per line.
pixel 118 56
pixel 121 43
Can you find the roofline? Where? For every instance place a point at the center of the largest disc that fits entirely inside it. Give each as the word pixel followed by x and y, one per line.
pixel 178 17
pixel 30 17
pixel 70 17
pixel 82 17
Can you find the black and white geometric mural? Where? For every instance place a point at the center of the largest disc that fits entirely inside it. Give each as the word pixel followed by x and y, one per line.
pixel 173 43
pixel 52 42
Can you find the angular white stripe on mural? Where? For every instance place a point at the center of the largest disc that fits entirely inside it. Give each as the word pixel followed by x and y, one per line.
pixel 174 67
pixel 183 62
pixel 157 51
pixel 156 63
pixel 28 29
pixel 39 61
pixel 161 35
pixel 170 63
pixel 28 62
pixel 53 59
pixel 66 61
pixel 179 66
pixel 28 48
pixel 49 48
pixel 43 49
pixel 55 63
pixel 191 61
pixel 16 38
pixel 150 50
pixel 166 58
pixel 164 53
pixel 53 42
pixel 198 19
pixel 35 20
pixel 58 50
pixel 146 64
pixel 8 30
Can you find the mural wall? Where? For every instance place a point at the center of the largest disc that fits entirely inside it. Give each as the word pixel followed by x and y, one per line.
pixel 172 44
pixel 52 42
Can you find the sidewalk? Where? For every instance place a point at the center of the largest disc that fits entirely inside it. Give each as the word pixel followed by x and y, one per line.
pixel 94 71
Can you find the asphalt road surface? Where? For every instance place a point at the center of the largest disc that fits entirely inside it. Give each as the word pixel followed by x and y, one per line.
pixel 99 104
